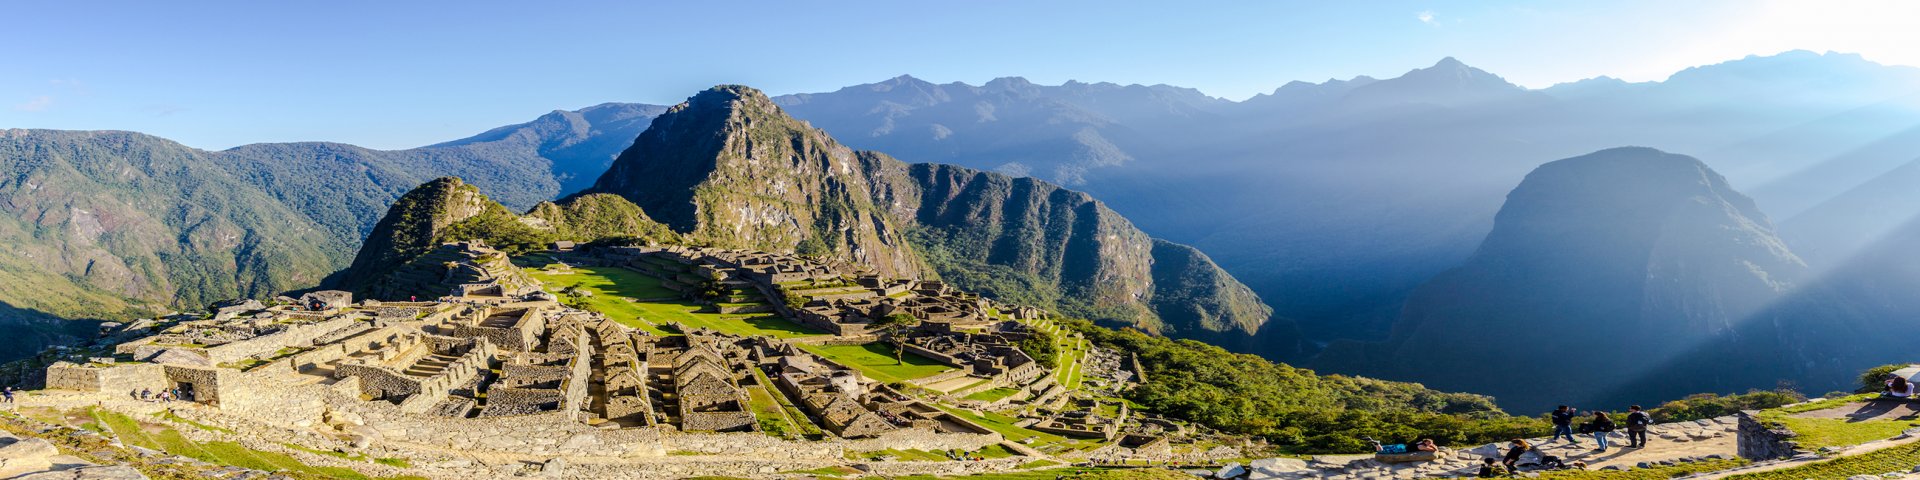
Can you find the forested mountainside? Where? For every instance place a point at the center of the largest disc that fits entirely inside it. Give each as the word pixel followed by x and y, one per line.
pixel 730 168
pixel 118 224
pixel 1604 276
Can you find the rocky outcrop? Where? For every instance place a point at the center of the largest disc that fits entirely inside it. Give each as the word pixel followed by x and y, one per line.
pixel 729 168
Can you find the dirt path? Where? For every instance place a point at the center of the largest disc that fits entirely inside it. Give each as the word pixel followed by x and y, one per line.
pixel 1869 410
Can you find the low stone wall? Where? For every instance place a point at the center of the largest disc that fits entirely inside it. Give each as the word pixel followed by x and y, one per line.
pixel 939 377
pixel 266 345
pixel 118 379
pixel 1757 441
pixel 922 439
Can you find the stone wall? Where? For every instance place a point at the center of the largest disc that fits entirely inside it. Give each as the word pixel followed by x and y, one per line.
pixel 717 421
pixel 1757 441
pixel 378 382
pixel 923 439
pixel 297 335
pixel 204 382
pixel 118 379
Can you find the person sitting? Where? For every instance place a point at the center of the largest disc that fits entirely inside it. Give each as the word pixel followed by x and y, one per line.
pixel 1898 387
pixel 1490 468
pixel 1515 449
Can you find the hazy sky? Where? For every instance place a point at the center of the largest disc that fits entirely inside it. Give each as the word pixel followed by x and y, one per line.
pixel 403 74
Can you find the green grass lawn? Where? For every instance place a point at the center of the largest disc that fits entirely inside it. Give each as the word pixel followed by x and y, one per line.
pixel 1655 473
pixel 163 438
pixel 801 423
pixel 992 394
pixel 612 285
pixel 1004 425
pixel 1833 432
pixel 876 361
pixel 772 417
pixel 1896 459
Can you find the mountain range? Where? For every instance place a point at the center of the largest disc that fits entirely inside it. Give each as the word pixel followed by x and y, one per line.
pixel 729 168
pixel 1334 202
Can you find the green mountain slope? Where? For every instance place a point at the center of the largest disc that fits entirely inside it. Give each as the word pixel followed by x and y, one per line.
pixel 109 223
pixel 730 168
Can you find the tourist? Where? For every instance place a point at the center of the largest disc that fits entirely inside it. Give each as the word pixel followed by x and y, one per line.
pixel 1563 424
pixel 1602 426
pixel 1491 469
pixel 1425 445
pixel 133 394
pixel 8 393
pixel 146 393
pixel 1515 449
pixel 1637 422
pixel 1898 387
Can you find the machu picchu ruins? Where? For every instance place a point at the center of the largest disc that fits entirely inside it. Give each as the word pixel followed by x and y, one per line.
pixel 757 361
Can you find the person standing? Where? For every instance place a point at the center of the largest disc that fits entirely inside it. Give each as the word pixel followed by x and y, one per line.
pixel 1637 422
pixel 1563 424
pixel 9 393
pixel 1602 426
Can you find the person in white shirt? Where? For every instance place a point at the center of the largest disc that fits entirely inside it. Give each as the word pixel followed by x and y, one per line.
pixel 1898 387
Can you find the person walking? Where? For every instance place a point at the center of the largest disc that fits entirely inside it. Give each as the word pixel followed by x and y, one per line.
pixel 8 393
pixel 1602 426
pixel 1563 424
pixel 1637 422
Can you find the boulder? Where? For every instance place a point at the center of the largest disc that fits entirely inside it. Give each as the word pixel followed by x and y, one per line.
pixel 1278 465
pixel 1232 470
pixel 554 468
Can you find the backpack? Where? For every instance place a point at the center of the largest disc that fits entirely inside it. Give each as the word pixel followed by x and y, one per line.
pixel 1551 462
pixel 1586 428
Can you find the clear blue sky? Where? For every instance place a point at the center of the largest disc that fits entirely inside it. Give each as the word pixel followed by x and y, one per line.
pixel 402 74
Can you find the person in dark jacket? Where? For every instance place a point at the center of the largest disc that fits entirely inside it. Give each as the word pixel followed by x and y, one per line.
pixel 1515 448
pixel 1492 469
pixel 1637 422
pixel 1602 426
pixel 1563 424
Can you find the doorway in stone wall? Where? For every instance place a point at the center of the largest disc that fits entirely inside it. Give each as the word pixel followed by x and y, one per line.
pixel 186 391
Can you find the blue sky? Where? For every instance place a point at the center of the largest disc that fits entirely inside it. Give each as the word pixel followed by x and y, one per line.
pixel 402 74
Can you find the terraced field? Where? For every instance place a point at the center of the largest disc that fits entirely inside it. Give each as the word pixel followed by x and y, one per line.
pixel 876 361
pixel 654 306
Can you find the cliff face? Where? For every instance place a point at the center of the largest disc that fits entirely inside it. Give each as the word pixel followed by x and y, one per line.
pixel 1603 274
pixel 727 168
pixel 730 168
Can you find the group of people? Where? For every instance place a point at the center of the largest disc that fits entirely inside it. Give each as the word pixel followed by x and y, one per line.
pixel 166 395
pixel 1600 426
pixel 1636 422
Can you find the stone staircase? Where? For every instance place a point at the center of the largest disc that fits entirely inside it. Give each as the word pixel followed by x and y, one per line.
pixel 430 365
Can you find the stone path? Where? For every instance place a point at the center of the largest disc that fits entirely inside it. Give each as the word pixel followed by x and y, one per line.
pixel 1869 410
pixel 1671 443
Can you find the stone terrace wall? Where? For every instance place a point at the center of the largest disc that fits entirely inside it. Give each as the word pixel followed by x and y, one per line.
pixel 378 381
pixel 292 335
pixel 1756 441
pixel 922 439
pixel 118 379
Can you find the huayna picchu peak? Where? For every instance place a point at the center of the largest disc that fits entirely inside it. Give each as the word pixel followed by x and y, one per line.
pixel 729 168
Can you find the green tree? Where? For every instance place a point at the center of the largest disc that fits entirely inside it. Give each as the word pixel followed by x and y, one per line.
pixel 894 327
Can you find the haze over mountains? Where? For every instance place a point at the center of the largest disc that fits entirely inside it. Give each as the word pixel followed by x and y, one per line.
pixel 1334 202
